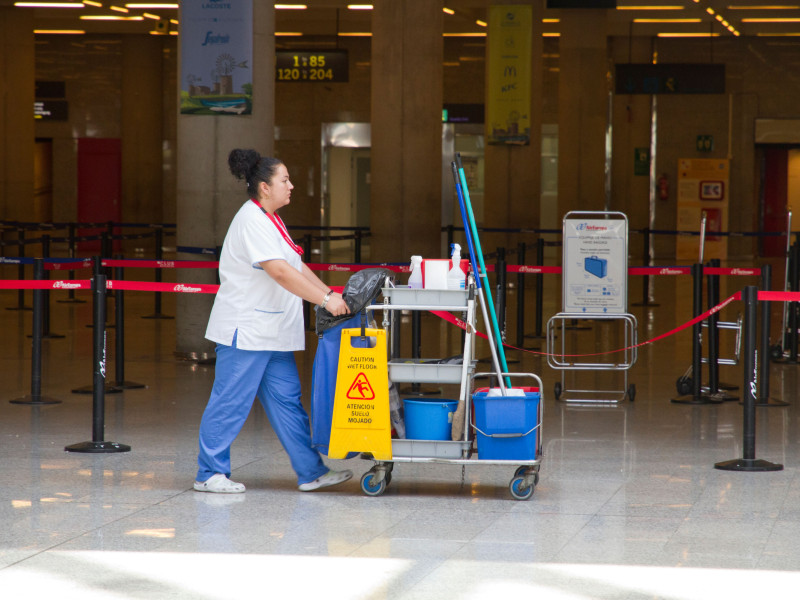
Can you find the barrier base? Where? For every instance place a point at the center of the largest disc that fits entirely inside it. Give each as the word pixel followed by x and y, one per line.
pixel 51 336
pixel 701 399
pixel 157 316
pixel 31 401
pixel 97 447
pixel 720 394
pixel 748 464
pixel 127 385
pixel 781 361
pixel 89 389
pixel 770 402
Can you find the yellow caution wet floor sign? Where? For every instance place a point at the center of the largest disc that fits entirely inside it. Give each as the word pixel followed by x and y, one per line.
pixel 361 404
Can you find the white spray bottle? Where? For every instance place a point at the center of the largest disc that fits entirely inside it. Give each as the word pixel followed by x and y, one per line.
pixel 415 279
pixel 456 278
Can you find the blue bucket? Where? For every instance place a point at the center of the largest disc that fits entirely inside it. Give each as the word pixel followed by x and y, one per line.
pixel 429 418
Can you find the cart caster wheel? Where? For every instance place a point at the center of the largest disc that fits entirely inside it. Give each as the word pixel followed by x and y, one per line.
pixel 557 390
pixel 369 487
pixel 518 491
pixel 684 386
pixel 522 470
pixel 632 392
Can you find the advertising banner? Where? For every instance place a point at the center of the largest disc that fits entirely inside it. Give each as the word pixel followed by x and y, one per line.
pixel 508 118
pixel 216 57
pixel 595 265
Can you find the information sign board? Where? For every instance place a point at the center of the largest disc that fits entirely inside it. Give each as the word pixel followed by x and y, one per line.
pixel 595 263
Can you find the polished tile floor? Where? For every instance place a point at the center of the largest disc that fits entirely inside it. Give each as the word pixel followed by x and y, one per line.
pixel 629 504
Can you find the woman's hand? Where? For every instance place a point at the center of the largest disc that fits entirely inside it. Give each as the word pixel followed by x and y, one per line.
pixel 336 305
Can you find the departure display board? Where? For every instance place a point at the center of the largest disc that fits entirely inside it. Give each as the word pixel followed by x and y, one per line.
pixel 311 66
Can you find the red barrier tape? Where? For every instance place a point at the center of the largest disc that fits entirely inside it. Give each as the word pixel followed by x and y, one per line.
pixel 162 264
pixel 26 284
pixel 351 267
pixel 737 296
pixel 150 286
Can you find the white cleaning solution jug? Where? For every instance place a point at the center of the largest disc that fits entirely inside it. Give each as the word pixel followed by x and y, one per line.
pixel 456 278
pixel 415 279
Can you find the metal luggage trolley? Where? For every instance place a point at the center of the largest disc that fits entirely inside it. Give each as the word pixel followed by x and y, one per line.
pixel 594 287
pixel 459 451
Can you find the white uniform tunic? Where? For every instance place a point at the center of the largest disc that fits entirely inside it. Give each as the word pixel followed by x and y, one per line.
pixel 267 316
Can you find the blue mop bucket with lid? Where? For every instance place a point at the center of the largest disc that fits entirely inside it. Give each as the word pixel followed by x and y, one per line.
pixel 429 418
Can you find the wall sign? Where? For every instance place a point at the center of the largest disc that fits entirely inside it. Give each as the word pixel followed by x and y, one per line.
pixel 310 66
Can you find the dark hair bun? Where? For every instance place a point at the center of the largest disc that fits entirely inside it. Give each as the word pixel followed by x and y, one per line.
pixel 242 162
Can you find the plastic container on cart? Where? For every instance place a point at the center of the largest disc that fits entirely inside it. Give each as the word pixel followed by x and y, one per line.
pixel 429 418
pixel 507 426
pixel 411 370
pixel 437 449
pixel 404 295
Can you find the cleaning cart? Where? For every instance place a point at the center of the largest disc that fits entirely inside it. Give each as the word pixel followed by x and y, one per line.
pixel 497 426
pixel 501 425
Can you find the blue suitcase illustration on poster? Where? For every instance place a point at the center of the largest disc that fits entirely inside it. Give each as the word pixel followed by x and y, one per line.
pixel 596 266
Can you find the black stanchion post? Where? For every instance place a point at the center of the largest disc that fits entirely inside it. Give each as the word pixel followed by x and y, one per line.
pixel 500 278
pixel 20 270
pixel 450 235
pixel 98 272
pixel 713 337
pixel 305 258
pixel 217 255
pixel 714 384
pixel 119 341
pixel 748 462
pixel 764 358
pixel 357 245
pixel 98 444
pixel 696 397
pixel 646 278
pixel 71 299
pixel 36 349
pixel 157 314
pixel 520 296
pixel 795 286
pixel 46 333
pixel 539 286
pixel 416 353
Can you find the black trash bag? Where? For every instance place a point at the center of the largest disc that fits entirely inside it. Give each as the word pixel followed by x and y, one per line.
pixel 359 292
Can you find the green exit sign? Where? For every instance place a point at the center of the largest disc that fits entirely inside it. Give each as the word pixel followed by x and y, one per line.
pixel 705 143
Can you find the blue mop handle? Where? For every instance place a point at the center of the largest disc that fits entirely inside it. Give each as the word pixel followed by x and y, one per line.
pixel 473 261
pixel 495 327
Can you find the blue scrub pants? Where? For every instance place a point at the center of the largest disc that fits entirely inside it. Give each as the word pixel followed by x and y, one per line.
pixel 240 376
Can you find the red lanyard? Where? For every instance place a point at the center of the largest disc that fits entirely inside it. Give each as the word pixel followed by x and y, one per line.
pixel 276 220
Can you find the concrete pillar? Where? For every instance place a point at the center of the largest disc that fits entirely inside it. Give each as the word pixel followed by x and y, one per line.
pixel 584 83
pixel 17 68
pixel 142 131
pixel 512 173
pixel 407 52
pixel 207 194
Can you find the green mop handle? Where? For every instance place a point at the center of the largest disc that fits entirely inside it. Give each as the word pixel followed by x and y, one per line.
pixel 476 241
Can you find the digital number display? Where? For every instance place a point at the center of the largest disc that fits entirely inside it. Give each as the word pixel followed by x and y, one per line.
pixel 310 66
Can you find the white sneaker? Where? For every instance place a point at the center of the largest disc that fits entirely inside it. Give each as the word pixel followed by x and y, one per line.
pixel 330 478
pixel 219 484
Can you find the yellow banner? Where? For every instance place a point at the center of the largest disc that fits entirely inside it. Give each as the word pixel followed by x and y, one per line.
pixel 508 102
pixel 703 192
